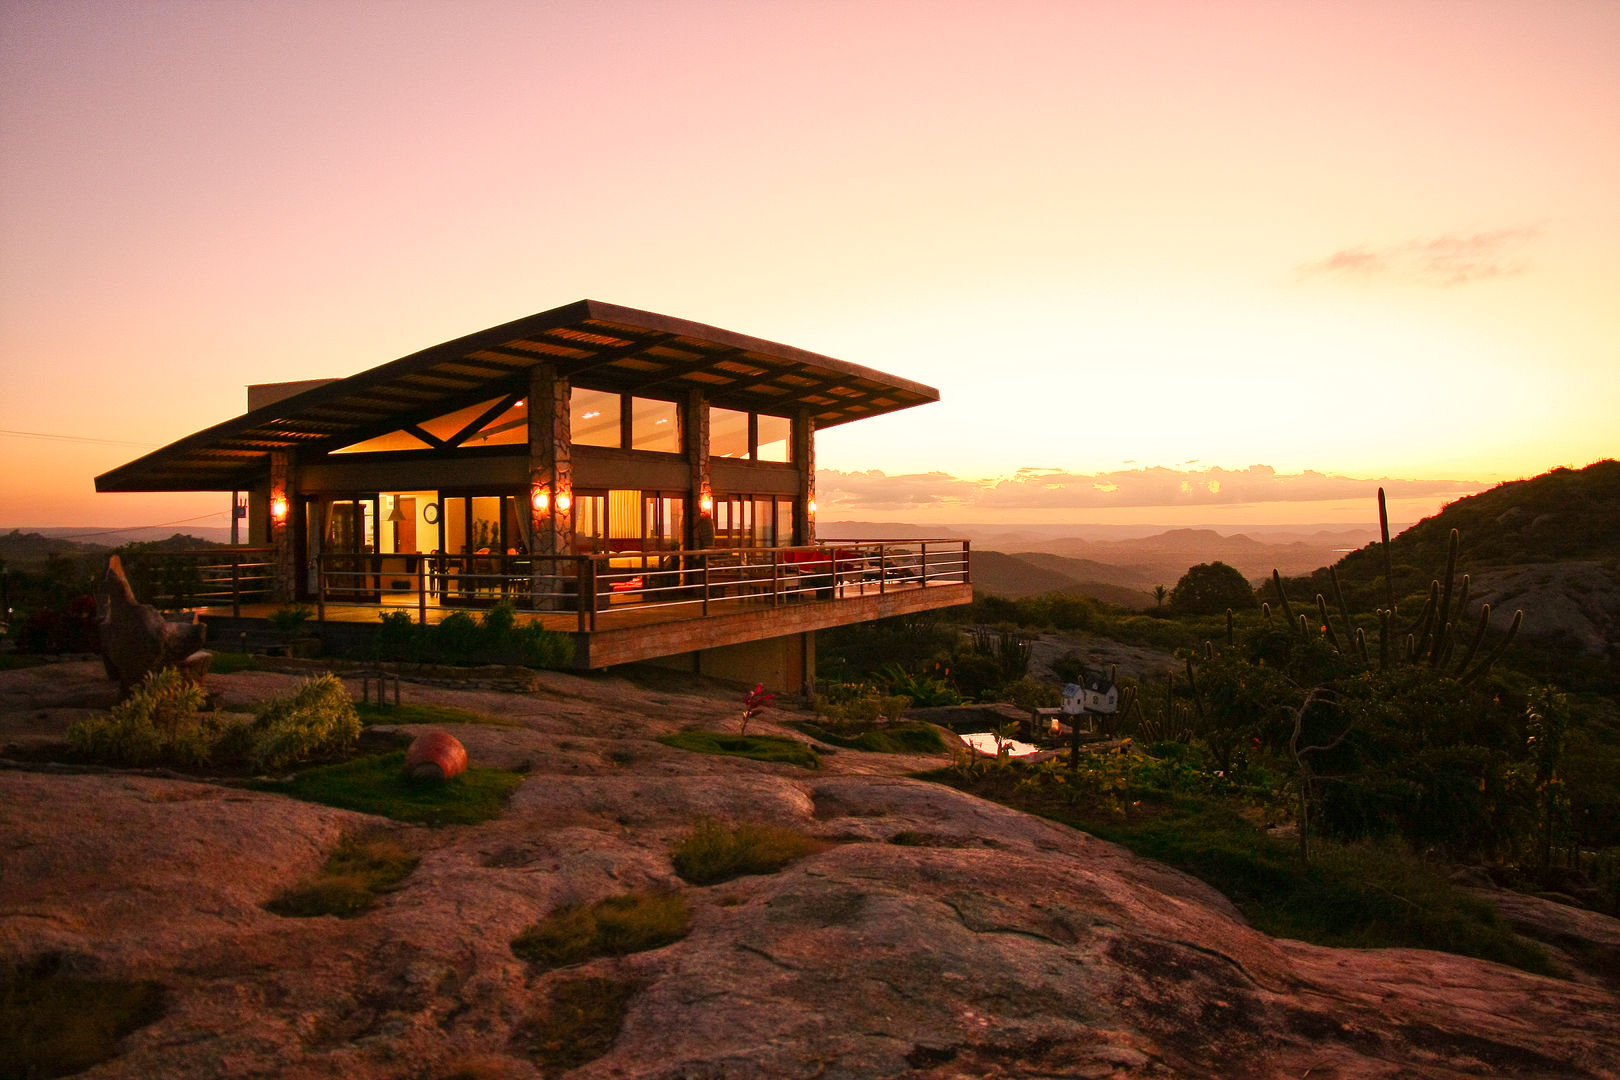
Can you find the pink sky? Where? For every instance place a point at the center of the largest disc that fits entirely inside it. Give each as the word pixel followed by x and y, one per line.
pixel 1367 240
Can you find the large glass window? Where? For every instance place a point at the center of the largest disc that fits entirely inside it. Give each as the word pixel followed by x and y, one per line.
pixel 775 437
pixel 594 418
pixel 655 425
pixel 728 433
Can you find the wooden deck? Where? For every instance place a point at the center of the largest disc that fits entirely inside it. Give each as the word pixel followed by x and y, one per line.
pixel 640 630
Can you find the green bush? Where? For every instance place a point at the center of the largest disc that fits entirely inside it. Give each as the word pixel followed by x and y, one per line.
pixel 616 926
pixel 157 723
pixel 316 719
pixel 712 852
pixel 460 639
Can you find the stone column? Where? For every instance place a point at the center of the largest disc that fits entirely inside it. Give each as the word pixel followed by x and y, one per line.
pixel 804 458
pixel 551 468
pixel 699 527
pixel 283 496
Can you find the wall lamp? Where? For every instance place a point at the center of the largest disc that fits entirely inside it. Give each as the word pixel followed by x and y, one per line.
pixel 542 500
pixel 706 502
pixel 278 509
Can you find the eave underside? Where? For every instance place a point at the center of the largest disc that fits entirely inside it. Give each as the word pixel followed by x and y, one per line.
pixel 594 345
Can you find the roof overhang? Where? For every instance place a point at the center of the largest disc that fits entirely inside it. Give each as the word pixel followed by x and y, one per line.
pixel 594 345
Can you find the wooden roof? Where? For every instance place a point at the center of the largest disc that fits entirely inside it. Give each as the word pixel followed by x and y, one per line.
pixel 596 346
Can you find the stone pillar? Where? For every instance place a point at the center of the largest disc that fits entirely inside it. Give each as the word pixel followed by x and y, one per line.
pixel 283 498
pixel 551 467
pixel 699 526
pixel 804 458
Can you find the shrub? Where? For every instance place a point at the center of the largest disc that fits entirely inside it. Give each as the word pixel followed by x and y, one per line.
pixel 712 852
pixel 899 739
pixel 290 618
pixel 616 926
pixel 158 722
pixel 318 718
pixel 350 881
pixel 461 639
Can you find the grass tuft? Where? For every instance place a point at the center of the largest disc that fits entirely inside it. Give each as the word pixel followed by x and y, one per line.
pixel 712 852
pixel 578 1024
pixel 412 713
pixel 58 1024
pixel 350 882
pixel 616 926
pixel 757 747
pixel 378 785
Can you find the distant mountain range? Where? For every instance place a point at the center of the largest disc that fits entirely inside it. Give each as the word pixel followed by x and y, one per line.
pixel 1027 561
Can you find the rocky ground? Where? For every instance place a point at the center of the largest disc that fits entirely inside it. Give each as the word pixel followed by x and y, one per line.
pixel 990 944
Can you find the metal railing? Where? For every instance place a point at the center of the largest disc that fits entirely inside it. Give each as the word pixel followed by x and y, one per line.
pixel 170 580
pixel 611 586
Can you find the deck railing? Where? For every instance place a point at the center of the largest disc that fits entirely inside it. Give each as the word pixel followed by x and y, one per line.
pixel 206 577
pixel 606 587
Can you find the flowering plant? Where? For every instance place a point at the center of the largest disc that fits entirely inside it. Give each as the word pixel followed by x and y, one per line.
pixel 753 703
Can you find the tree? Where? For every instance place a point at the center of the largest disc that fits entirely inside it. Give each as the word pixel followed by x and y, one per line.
pixel 1211 588
pixel 1159 593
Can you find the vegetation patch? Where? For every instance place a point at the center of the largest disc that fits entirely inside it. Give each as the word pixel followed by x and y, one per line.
pixel 713 852
pixel 359 870
pixel 757 747
pixel 378 785
pixel 316 719
pixel 411 713
pixel 616 926
pixel 579 1022
pixel 58 1024
pixel 899 739
pixel 495 638
pixel 1363 895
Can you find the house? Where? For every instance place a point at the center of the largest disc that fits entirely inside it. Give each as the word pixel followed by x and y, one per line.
pixel 642 482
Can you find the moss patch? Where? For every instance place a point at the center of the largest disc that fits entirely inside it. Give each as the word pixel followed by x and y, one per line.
pixel 578 1024
pixel 378 785
pixel 358 871
pixel 757 747
pixel 57 1024
pixel 713 852
pixel 616 926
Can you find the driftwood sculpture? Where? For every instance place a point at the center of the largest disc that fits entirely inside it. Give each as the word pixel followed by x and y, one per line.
pixel 136 639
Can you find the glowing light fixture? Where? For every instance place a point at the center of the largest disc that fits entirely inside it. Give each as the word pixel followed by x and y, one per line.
pixel 540 500
pixel 564 501
pixel 278 509
pixel 706 502
pixel 812 506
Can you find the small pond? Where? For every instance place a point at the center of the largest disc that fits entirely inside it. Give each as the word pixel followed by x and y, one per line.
pixel 985 743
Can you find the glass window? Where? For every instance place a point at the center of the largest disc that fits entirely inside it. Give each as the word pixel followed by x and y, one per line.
pixel 450 424
pixel 655 425
pixel 728 433
pixel 508 429
pixel 775 436
pixel 590 522
pixel 784 522
pixel 394 440
pixel 593 418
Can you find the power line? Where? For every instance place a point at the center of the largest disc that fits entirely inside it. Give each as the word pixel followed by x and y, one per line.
pixel 74 438
pixel 136 528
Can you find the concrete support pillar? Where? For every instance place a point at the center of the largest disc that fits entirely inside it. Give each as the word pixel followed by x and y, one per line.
pixel 700 525
pixel 551 467
pixel 283 506
pixel 804 458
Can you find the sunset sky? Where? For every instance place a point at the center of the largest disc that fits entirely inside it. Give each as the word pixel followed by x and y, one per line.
pixel 1218 261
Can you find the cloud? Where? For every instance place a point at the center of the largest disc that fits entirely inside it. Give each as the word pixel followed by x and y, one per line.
pixel 1443 261
pixel 1050 489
